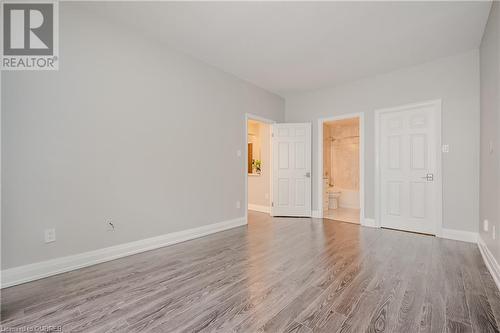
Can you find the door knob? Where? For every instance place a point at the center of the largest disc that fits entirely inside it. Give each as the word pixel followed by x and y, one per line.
pixel 429 177
pixel 308 175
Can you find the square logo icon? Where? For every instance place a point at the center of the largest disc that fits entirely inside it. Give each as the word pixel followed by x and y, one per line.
pixel 30 36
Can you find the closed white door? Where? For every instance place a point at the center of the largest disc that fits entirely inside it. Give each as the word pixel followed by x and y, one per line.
pixel 408 156
pixel 291 161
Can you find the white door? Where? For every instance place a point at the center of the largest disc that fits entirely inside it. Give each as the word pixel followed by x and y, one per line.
pixel 409 140
pixel 291 162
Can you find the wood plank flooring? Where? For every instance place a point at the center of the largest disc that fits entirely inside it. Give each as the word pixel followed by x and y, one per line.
pixel 275 275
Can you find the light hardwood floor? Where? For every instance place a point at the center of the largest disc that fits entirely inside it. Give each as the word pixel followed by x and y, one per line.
pixel 276 275
pixel 342 214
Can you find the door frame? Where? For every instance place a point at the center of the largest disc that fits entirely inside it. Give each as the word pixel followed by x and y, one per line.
pixel 437 103
pixel 270 122
pixel 362 133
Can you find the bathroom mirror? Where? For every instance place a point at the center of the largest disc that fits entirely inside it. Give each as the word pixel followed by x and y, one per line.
pixel 250 157
pixel 254 163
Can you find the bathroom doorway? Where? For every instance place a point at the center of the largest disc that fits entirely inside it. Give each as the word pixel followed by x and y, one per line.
pixel 341 164
pixel 258 164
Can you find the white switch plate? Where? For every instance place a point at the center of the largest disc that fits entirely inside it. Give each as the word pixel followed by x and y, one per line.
pixel 485 225
pixel 50 235
pixel 445 148
pixel 238 153
pixel 238 204
pixel 491 147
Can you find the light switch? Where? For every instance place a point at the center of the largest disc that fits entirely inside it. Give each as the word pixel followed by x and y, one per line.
pixel 238 153
pixel 50 235
pixel 491 147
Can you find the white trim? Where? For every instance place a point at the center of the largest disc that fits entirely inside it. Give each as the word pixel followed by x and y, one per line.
pixel 349 206
pixel 22 274
pixel 316 214
pixel 362 133
pixel 489 260
pixel 439 173
pixel 259 208
pixel 367 222
pixel 459 235
pixel 249 116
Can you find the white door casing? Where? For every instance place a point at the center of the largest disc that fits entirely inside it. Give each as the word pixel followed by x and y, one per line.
pixel 291 161
pixel 409 190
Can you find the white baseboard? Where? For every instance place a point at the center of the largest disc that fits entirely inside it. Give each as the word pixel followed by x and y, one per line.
pixel 367 222
pixel 317 214
pixel 460 235
pixel 259 208
pixel 26 273
pixel 490 261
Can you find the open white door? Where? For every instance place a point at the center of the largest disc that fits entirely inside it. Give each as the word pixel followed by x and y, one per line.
pixel 291 161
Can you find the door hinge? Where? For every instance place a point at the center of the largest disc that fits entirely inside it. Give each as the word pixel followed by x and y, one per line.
pixel 272 204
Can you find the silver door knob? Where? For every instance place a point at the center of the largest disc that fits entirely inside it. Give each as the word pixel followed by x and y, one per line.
pixel 308 175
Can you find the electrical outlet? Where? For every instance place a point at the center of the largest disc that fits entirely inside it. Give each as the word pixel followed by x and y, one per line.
pixel 445 148
pixel 238 204
pixel 50 235
pixel 485 225
pixel 493 230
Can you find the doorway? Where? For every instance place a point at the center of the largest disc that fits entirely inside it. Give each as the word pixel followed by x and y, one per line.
pixel 408 174
pixel 341 172
pixel 277 171
pixel 258 164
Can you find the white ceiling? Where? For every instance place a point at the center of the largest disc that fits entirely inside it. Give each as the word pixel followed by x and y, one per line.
pixel 289 47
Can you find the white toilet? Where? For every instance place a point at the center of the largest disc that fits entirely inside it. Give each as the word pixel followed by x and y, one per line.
pixel 333 198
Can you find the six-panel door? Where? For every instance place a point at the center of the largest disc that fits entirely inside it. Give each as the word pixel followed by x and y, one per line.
pixel 291 145
pixel 408 153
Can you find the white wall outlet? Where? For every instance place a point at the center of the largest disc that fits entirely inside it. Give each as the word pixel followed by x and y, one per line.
pixel 494 231
pixel 445 148
pixel 238 153
pixel 238 204
pixel 485 225
pixel 50 235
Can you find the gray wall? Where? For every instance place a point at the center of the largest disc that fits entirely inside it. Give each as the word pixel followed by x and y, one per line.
pixel 455 80
pixel 126 130
pixel 490 128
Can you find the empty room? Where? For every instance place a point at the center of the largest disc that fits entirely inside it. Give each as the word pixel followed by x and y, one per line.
pixel 250 166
